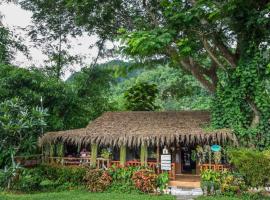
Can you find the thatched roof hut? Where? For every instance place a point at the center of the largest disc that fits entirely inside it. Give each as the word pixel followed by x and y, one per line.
pixel 150 128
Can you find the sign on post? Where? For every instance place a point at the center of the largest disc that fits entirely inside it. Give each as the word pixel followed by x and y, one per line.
pixel 166 161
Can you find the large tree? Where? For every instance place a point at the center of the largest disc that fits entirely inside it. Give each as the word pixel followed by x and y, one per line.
pixel 53 27
pixel 221 43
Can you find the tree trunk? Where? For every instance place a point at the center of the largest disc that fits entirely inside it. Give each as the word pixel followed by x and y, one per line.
pixel 256 113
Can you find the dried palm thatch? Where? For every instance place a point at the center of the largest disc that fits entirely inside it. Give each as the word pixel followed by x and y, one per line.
pixel 149 128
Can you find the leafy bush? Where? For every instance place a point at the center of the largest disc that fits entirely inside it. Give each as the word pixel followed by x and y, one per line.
pixel 162 181
pixel 29 180
pixel 97 180
pixel 141 97
pixel 64 174
pixel 232 183
pixel 145 180
pixel 252 164
pixel 9 176
pixel 213 182
pixel 210 181
pixel 105 153
pixel 122 179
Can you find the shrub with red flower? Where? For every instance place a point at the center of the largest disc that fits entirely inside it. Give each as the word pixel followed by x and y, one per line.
pixel 97 180
pixel 145 180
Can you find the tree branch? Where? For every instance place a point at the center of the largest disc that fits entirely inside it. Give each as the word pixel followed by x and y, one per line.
pixel 189 65
pixel 227 54
pixel 211 54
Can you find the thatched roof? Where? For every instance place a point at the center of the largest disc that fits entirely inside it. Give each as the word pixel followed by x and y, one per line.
pixel 136 128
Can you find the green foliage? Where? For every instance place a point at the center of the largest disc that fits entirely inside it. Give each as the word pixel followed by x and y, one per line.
pixel 215 182
pixel 53 26
pixel 42 178
pixel 105 153
pixel 29 180
pixel 252 164
pixel 232 184
pixel 141 97
pixel 210 181
pixel 176 89
pixel 20 127
pixel 163 180
pixel 97 180
pixel 9 44
pixel 4 54
pixel 63 174
pixel 92 86
pixel 8 176
pixel 147 42
pixel 242 102
pixel 70 104
pixel 122 179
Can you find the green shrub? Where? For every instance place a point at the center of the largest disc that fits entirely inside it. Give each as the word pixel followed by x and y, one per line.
pixel 29 180
pixel 214 182
pixel 105 153
pixel 64 174
pixel 210 181
pixel 9 176
pixel 122 179
pixel 231 183
pixel 145 180
pixel 252 164
pixel 97 180
pixel 162 181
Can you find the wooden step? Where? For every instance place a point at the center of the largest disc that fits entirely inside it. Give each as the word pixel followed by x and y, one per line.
pixel 186 181
pixel 185 184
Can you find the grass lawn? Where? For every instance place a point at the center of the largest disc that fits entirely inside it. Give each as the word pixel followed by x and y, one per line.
pixel 244 197
pixel 82 195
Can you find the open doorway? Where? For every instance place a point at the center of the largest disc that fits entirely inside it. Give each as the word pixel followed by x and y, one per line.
pixel 188 163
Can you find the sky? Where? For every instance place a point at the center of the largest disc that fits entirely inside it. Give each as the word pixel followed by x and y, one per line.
pixel 16 18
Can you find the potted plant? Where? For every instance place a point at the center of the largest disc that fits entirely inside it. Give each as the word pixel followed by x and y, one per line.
pixel 106 153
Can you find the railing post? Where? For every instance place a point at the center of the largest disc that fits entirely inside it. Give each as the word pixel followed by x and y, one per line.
pixel 123 155
pixel 94 149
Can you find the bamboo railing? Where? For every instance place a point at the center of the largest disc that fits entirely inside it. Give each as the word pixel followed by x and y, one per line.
pixel 215 167
pixel 152 165
pixel 29 161
pixel 101 163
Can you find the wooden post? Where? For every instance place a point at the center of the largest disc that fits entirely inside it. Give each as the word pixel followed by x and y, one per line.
pixel 158 159
pixel 94 149
pixel 210 157
pixel 144 155
pixel 42 154
pixel 51 152
pixel 60 153
pixel 123 155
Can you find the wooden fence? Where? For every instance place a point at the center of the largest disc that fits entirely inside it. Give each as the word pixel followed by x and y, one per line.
pixel 215 167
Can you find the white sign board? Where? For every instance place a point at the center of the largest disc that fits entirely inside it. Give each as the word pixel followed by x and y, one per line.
pixel 166 161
